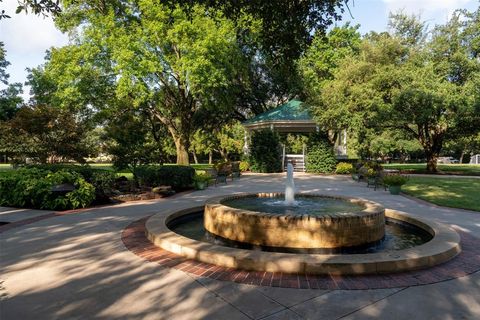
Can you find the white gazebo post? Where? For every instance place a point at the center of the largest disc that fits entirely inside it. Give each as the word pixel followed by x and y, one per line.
pixel 246 147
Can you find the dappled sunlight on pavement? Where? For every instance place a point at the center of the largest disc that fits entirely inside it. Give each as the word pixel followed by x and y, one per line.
pixel 76 266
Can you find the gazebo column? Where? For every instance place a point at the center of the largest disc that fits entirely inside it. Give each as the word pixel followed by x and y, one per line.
pixel 246 137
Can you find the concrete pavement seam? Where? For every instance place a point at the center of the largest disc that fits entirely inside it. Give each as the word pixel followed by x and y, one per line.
pixel 218 296
pixel 372 303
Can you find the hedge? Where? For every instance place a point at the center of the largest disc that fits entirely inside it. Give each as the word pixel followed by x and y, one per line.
pixel 320 156
pixel 32 188
pixel 265 152
pixel 178 177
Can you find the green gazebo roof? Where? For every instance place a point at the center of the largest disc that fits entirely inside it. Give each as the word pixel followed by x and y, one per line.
pixel 290 111
pixel 289 117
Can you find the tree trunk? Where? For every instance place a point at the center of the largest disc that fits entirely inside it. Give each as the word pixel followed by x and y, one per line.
pixel 210 157
pixel 460 161
pixel 432 163
pixel 182 154
pixel 195 157
pixel 224 155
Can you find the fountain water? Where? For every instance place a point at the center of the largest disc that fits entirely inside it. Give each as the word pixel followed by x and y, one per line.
pixel 290 187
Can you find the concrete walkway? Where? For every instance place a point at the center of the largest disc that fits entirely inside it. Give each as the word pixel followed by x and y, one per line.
pixel 75 266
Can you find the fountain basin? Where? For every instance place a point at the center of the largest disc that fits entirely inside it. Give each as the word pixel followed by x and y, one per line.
pixel 359 227
pixel 444 245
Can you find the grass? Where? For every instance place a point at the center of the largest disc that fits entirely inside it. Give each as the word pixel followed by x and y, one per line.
pixel 456 193
pixel 456 169
pixel 5 167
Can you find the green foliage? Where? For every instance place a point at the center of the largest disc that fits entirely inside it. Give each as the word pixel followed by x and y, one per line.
pixel 244 166
pixel 178 177
pixel 132 140
pixel 38 7
pixel 226 140
pixel 325 54
pixel 45 133
pixel 320 156
pixel 102 180
pixel 428 89
pixel 104 183
pixel 10 99
pixel 294 143
pixel 265 152
pixel 344 168
pixel 85 171
pixel 395 180
pixel 32 188
pixel 202 177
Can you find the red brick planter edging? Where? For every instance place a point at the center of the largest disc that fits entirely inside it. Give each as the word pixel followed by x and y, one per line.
pixel 467 262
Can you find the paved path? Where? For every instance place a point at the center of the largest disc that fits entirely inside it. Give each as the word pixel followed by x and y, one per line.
pixel 75 266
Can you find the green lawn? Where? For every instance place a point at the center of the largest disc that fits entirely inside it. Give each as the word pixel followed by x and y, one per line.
pixel 5 167
pixel 458 169
pixel 449 192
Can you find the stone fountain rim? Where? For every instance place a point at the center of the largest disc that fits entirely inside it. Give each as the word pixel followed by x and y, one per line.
pixel 444 246
pixel 370 208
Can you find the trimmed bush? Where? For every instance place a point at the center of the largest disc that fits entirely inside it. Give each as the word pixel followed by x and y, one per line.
pixel 395 180
pixel 244 166
pixel 103 180
pixel 85 170
pixel 344 168
pixel 104 183
pixel 320 157
pixel 265 152
pixel 178 177
pixel 32 188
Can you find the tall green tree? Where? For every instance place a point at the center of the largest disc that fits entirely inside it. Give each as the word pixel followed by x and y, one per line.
pixel 398 84
pixel 45 134
pixel 10 99
pixel 180 69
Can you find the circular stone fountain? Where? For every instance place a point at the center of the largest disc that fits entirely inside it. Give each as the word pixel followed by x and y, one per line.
pixel 442 244
pixel 300 222
pixel 314 221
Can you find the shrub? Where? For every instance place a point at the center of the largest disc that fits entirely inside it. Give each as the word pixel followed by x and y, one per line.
pixel 265 152
pixel 395 180
pixel 320 157
pixel 104 182
pixel 202 177
pixel 372 165
pixel 244 166
pixel 32 188
pixel 178 177
pixel 85 170
pixel 344 168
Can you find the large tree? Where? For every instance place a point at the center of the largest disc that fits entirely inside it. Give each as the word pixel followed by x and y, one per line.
pixel 10 99
pixel 395 82
pixel 45 134
pixel 181 69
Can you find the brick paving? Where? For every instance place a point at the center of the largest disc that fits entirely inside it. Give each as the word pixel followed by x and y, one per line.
pixel 467 262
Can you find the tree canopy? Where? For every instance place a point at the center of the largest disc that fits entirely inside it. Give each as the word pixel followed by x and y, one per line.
pixel 426 88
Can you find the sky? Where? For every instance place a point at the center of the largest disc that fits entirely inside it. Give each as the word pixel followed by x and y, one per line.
pixel 27 37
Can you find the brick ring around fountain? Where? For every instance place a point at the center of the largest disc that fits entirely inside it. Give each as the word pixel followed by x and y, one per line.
pixel 246 226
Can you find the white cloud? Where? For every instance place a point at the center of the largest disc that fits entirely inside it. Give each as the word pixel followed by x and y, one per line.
pixel 429 9
pixel 28 32
pixel 26 38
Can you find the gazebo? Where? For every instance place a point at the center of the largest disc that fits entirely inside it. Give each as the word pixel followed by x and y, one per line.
pixel 291 117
